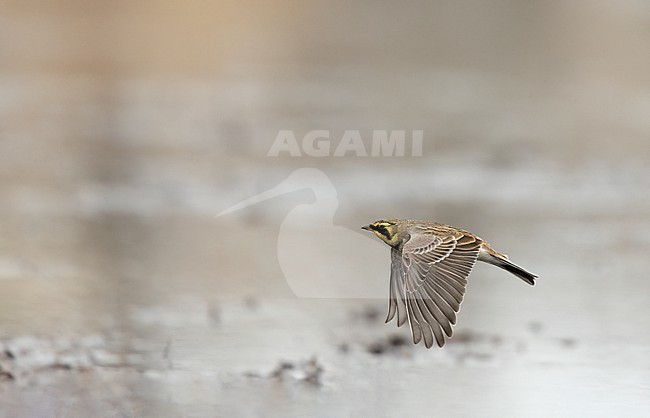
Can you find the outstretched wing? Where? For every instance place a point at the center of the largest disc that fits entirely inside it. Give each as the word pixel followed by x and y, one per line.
pixel 427 284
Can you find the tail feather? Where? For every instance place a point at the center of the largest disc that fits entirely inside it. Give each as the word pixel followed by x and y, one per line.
pixel 524 275
pixel 510 267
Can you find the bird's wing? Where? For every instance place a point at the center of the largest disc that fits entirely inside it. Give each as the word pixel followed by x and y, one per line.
pixel 427 284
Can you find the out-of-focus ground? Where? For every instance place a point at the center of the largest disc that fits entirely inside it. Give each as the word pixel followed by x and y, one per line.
pixel 125 128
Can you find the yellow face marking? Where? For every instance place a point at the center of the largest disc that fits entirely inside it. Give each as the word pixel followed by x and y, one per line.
pixel 386 231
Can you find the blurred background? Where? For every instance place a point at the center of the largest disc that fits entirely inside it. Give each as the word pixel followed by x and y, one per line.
pixel 125 127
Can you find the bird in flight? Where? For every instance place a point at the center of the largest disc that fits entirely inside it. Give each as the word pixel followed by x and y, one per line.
pixel 430 265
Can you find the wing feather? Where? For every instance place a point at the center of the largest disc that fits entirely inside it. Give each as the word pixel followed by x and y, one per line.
pixel 414 322
pixel 396 303
pixel 442 306
pixel 428 281
pixel 450 300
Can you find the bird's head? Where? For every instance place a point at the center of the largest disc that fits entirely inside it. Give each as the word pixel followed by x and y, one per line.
pixel 386 229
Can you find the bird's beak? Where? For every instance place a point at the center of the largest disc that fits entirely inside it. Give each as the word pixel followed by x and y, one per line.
pixel 367 227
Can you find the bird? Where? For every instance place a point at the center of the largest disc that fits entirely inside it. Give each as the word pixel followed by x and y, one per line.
pixel 430 263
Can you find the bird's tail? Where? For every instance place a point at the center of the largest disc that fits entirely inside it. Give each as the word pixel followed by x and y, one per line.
pixel 501 261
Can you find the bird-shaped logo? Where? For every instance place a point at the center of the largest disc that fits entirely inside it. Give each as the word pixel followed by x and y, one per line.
pixel 317 257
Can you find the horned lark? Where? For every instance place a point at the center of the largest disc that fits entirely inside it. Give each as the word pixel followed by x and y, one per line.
pixel 430 265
